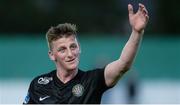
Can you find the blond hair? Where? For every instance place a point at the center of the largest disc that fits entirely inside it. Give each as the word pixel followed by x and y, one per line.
pixel 59 31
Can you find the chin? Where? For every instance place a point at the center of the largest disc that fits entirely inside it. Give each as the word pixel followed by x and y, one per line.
pixel 72 67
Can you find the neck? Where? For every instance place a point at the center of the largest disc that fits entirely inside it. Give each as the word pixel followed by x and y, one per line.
pixel 66 75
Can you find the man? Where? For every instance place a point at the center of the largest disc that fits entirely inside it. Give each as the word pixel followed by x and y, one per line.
pixel 68 84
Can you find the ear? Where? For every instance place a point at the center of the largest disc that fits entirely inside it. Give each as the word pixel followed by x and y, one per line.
pixel 51 55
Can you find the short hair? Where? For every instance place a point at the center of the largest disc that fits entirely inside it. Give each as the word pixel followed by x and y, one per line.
pixel 60 31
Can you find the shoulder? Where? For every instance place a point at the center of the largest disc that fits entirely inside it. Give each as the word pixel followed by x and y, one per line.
pixel 97 79
pixel 96 71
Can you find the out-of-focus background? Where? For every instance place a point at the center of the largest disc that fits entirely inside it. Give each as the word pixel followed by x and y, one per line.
pixel 103 31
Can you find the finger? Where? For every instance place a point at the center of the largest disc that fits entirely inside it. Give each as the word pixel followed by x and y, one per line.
pixel 147 17
pixel 145 11
pixel 130 9
pixel 141 6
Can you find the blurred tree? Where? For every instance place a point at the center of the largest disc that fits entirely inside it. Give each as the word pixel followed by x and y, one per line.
pixel 91 16
pixel 169 16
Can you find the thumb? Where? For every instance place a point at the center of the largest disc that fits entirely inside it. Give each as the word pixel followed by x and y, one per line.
pixel 130 9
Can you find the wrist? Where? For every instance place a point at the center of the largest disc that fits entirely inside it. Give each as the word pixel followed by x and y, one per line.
pixel 138 32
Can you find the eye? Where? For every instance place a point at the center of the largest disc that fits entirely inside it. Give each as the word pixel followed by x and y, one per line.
pixel 73 46
pixel 62 50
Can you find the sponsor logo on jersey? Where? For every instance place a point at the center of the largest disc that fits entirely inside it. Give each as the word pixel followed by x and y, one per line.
pixel 78 90
pixel 43 98
pixel 44 80
pixel 26 100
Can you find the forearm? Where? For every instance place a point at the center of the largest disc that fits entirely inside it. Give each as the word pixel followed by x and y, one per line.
pixel 116 69
pixel 130 49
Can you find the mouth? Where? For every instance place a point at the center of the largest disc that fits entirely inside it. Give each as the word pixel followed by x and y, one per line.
pixel 71 60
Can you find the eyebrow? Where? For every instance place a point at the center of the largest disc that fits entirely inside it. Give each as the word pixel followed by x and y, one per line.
pixel 73 44
pixel 63 46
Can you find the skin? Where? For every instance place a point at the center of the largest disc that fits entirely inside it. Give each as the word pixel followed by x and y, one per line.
pixel 66 50
pixel 138 22
pixel 65 54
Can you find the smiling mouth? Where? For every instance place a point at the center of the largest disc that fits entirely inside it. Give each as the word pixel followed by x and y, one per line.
pixel 70 60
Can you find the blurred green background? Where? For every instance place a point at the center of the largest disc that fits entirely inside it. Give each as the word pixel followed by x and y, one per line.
pixel 103 30
pixel 26 57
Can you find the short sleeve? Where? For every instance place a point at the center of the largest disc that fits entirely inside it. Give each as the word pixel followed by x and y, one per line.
pixel 99 80
pixel 28 98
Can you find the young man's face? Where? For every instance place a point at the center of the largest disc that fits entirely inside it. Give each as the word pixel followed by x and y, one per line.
pixel 65 52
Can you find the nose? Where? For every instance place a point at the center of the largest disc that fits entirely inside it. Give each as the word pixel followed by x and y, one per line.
pixel 70 53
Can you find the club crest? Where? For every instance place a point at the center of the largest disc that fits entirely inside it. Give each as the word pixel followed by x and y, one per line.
pixel 78 90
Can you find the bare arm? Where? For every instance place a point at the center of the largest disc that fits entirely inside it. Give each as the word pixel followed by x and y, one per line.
pixel 138 21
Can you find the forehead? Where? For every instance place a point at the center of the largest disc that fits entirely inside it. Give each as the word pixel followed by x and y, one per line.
pixel 65 41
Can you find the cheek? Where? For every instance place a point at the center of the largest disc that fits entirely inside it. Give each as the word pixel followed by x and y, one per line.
pixel 60 57
pixel 76 52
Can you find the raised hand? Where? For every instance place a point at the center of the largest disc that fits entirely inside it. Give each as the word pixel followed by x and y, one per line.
pixel 138 20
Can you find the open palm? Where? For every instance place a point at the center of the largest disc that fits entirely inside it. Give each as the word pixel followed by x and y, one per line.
pixel 139 19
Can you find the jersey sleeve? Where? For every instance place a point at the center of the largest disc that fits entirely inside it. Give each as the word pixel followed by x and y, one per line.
pixel 99 80
pixel 29 99
pixel 32 96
